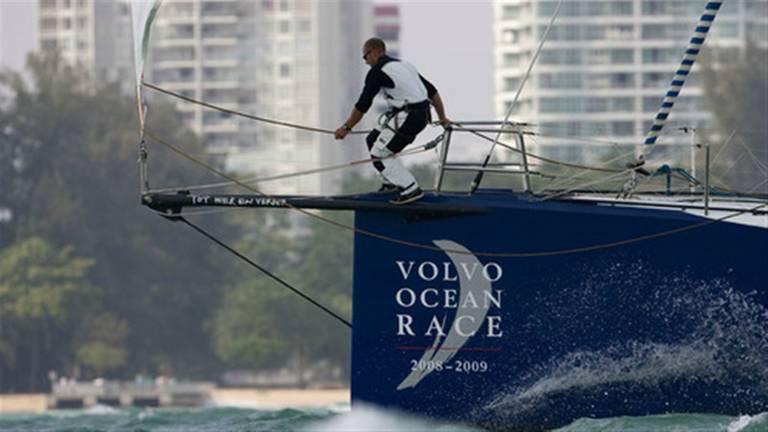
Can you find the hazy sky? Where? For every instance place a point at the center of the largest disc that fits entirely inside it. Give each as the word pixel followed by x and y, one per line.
pixel 18 25
pixel 451 43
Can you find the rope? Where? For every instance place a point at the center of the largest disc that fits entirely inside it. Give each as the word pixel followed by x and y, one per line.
pixel 435 248
pixel 594 182
pixel 328 131
pixel 242 114
pixel 532 155
pixel 262 269
pixel 409 152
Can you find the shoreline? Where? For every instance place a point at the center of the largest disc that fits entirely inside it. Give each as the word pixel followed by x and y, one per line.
pixel 255 398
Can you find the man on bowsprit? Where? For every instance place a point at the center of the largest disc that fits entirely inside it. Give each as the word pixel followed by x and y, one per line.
pixel 408 95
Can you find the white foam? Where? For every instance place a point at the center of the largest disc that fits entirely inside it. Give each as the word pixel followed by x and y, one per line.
pixel 745 421
pixel 647 364
pixel 727 337
pixel 101 410
pixel 369 419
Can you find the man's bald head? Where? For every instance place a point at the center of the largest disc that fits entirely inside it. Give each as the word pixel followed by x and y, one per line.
pixel 373 50
pixel 375 44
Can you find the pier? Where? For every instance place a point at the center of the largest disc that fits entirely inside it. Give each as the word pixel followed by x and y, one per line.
pixel 77 395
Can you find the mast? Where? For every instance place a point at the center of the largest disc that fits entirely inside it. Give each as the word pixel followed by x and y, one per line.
pixel 691 53
pixel 689 58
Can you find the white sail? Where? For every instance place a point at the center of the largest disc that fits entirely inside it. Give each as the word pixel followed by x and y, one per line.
pixel 142 14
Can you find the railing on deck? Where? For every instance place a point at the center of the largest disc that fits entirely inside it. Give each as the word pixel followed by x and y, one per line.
pixel 479 127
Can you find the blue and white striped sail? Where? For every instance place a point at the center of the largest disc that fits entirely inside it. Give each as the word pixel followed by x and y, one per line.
pixel 691 52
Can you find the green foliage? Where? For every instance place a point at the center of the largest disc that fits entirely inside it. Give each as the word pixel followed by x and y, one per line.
pixel 43 293
pixel 249 330
pixel 261 324
pixel 37 281
pixel 71 147
pixel 102 343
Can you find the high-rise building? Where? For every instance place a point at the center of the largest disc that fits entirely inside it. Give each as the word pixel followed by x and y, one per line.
pixel 606 66
pixel 289 60
pixel 93 34
pixel 196 50
pixel 386 26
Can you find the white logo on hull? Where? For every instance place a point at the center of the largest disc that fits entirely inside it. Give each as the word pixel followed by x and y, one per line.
pixel 471 287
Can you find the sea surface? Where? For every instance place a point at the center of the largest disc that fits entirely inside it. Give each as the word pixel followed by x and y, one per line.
pixel 334 419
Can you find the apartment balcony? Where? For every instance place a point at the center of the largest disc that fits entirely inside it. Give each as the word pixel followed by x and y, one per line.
pixel 219 128
pixel 220 19
pixel 184 107
pixel 219 41
pixel 220 63
pixel 173 19
pixel 173 64
pixel 178 86
pixel 221 85
pixel 173 43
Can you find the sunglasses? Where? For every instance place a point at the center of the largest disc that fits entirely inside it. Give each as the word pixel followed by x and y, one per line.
pixel 366 54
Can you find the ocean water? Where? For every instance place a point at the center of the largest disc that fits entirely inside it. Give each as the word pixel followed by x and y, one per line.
pixel 334 419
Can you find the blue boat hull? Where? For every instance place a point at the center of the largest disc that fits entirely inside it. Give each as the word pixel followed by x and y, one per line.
pixel 539 313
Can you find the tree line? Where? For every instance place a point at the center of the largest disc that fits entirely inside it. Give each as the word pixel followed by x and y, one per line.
pixel 94 284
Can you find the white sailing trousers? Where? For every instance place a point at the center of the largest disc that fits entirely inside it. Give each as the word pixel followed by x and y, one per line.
pixel 389 137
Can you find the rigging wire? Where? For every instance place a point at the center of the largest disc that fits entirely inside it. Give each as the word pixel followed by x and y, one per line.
pixel 260 268
pixel 755 159
pixel 479 177
pixel 422 246
pixel 532 155
pixel 328 131
pixel 583 185
pixel 723 147
pixel 202 212
pixel 242 114
pixel 758 186
pixel 567 180
pixel 420 149
pixel 597 142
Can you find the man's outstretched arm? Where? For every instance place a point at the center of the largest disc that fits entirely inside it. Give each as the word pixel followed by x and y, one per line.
pixel 437 101
pixel 352 120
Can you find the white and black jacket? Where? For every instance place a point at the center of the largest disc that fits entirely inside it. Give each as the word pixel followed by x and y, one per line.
pixel 399 82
